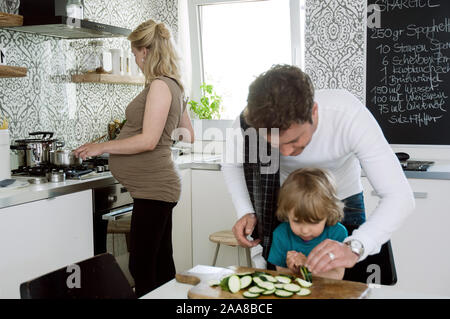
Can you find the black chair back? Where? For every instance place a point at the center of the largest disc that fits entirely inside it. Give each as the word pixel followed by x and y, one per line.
pixel 99 277
pixel 366 271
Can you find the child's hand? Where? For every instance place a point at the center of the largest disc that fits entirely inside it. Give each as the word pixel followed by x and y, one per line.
pixel 294 260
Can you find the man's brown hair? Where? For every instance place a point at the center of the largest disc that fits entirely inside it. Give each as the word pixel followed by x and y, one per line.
pixel 280 97
pixel 309 193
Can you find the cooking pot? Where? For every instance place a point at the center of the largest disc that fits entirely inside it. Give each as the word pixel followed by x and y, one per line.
pixel 36 151
pixel 64 158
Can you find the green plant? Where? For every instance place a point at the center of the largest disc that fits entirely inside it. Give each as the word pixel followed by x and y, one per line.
pixel 209 106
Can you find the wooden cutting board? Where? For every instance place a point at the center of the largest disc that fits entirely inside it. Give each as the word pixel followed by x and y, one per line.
pixel 322 288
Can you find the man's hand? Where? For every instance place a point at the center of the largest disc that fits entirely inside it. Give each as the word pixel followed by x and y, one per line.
pixel 294 260
pixel 328 255
pixel 244 227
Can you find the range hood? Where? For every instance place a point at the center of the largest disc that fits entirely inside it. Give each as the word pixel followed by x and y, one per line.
pixel 48 17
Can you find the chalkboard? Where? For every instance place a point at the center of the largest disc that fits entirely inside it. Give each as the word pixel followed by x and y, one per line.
pixel 408 69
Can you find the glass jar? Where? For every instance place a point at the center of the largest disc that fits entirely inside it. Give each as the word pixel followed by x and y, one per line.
pixel 75 9
pixel 93 61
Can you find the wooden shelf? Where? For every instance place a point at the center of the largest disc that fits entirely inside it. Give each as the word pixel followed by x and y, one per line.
pixel 108 79
pixel 7 71
pixel 10 20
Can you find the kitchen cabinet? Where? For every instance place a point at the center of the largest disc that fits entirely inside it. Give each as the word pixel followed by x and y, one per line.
pixel 42 236
pixel 420 246
pixel 182 226
pixel 212 211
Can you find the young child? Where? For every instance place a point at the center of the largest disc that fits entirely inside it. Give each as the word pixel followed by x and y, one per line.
pixel 310 212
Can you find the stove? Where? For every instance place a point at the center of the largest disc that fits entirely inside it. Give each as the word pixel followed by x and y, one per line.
pixel 90 168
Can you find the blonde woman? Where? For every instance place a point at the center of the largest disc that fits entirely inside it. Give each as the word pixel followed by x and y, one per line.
pixel 310 213
pixel 140 158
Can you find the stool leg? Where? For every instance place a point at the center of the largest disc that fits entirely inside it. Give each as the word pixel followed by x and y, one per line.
pixel 215 254
pixel 249 258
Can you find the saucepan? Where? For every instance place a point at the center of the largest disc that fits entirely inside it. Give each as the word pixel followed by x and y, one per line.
pixel 65 158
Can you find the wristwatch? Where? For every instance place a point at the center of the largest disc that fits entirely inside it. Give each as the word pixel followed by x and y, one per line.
pixel 356 246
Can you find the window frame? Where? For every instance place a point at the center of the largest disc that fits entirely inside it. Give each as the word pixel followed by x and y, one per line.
pixel 194 13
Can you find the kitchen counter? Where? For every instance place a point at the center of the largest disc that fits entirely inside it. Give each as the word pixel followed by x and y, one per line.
pixel 34 192
pixel 176 290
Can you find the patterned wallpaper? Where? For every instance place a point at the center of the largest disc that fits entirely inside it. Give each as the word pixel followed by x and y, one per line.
pixel 46 100
pixel 335 44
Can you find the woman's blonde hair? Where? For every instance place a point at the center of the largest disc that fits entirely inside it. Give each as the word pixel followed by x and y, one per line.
pixel 310 194
pixel 162 58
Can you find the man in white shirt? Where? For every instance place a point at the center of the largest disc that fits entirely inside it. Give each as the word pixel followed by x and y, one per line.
pixel 329 129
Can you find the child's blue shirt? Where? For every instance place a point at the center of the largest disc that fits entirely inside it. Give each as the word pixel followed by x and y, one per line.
pixel 285 240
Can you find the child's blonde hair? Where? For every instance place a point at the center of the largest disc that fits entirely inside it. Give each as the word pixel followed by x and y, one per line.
pixel 310 194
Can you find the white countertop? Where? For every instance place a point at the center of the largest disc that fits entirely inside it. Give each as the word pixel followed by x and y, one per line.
pixel 176 290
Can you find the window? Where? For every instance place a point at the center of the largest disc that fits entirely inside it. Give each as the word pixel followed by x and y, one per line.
pixel 232 42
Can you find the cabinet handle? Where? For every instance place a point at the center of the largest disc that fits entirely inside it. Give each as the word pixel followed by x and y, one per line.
pixel 416 194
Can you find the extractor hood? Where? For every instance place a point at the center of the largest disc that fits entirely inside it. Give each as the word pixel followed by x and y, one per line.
pixel 48 17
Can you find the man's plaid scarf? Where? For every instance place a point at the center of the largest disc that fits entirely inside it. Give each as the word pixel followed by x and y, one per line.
pixel 262 187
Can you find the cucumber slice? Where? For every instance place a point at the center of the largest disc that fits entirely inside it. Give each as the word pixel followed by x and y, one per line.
pixel 256 290
pixel 304 292
pixel 283 293
pixel 213 282
pixel 267 285
pixel 292 287
pixel 242 274
pixel 247 294
pixel 268 292
pixel 283 279
pixel 257 280
pixel 304 283
pixel 269 278
pixel 245 281
pixel 306 274
pixel 234 284
pixel 279 286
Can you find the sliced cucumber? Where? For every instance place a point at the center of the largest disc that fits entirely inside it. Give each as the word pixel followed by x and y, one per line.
pixel 292 287
pixel 213 282
pixel 234 284
pixel 304 283
pixel 283 279
pixel 248 294
pixel 306 274
pixel 268 292
pixel 283 293
pixel 246 281
pixel 256 290
pixel 279 286
pixel 267 285
pixel 257 280
pixel 242 274
pixel 269 278
pixel 304 292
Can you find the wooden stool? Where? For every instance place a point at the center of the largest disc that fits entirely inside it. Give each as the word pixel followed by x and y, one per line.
pixel 226 237
pixel 120 226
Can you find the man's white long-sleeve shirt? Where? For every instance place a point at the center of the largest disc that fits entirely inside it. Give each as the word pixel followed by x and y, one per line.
pixel 347 138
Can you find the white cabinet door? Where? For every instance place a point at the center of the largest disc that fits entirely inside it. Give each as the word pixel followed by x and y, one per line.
pixel 212 211
pixel 42 236
pixel 420 246
pixel 182 226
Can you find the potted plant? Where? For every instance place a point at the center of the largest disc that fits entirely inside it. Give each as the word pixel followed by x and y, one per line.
pixel 209 107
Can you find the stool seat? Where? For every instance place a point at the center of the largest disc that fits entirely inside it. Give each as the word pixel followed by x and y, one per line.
pixel 225 237
pixel 119 226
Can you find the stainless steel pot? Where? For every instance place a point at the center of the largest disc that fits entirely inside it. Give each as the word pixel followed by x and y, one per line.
pixel 65 158
pixel 36 151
